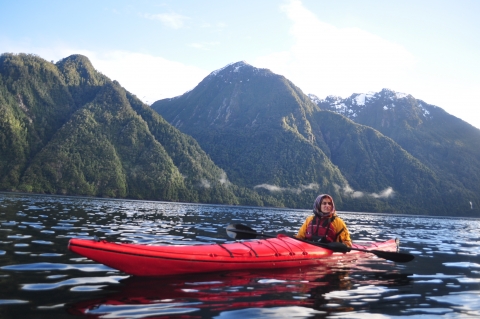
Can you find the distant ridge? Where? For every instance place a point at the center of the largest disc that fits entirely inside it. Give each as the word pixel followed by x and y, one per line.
pixel 446 144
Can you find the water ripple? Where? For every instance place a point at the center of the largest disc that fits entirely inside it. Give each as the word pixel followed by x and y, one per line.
pixel 144 311
pixel 56 266
pixel 74 282
pixel 441 281
pixel 12 301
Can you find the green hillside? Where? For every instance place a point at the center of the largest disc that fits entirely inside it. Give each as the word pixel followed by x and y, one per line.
pixel 67 129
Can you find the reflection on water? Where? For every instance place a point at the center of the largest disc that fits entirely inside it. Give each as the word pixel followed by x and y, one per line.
pixel 227 292
pixel 41 278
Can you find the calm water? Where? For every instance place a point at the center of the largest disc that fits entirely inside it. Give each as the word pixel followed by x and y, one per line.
pixel 40 278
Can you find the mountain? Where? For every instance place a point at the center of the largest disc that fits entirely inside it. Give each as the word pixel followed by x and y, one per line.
pixel 243 136
pixel 268 135
pixel 67 129
pixel 237 114
pixel 447 145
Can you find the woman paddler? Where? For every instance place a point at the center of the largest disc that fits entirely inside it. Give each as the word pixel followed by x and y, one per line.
pixel 324 225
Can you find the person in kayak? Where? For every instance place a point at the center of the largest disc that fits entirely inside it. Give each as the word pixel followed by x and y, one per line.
pixel 324 225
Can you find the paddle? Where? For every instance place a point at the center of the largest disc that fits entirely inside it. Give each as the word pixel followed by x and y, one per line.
pixel 239 231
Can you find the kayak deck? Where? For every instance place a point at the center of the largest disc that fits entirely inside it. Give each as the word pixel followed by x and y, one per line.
pixel 146 260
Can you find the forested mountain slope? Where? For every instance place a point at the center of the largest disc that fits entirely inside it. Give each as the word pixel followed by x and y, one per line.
pixel 67 129
pixel 267 135
pixel 447 145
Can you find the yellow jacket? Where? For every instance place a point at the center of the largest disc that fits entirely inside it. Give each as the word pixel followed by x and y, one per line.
pixel 337 224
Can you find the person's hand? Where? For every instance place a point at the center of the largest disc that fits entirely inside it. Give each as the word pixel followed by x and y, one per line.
pixel 338 247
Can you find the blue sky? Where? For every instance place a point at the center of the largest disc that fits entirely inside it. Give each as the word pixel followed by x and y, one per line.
pixel 160 49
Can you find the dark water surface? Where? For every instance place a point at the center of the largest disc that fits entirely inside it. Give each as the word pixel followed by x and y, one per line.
pixel 40 278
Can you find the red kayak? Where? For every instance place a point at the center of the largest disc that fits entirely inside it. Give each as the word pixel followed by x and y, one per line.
pixel 149 260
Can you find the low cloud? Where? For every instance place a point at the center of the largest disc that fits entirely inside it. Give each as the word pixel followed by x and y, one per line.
pixel 224 179
pixel 386 193
pixel 204 183
pixel 295 190
pixel 348 191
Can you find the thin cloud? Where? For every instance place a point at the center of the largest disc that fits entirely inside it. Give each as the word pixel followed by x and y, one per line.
pixel 386 193
pixel 350 192
pixel 205 183
pixel 347 190
pixel 296 190
pixel 170 20
pixel 224 179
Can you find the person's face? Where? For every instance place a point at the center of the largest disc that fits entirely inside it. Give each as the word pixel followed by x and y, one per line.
pixel 326 205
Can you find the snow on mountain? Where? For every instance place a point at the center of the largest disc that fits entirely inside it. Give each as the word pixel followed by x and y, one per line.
pixel 236 67
pixel 315 99
pixel 361 98
pixel 354 105
pixel 400 95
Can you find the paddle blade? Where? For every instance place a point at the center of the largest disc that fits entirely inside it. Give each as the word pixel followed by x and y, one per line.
pixel 393 256
pixel 239 231
pixel 335 247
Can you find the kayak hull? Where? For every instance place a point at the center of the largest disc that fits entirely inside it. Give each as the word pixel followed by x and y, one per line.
pixel 150 260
